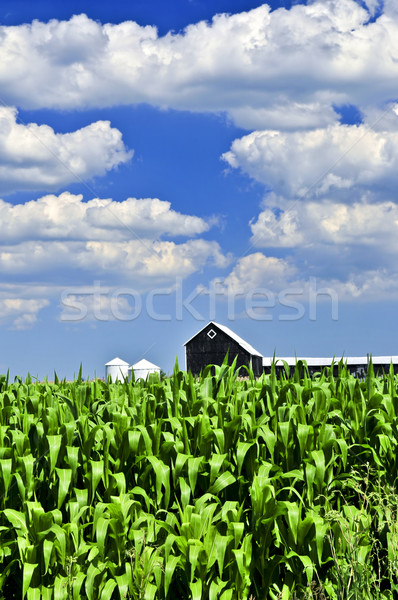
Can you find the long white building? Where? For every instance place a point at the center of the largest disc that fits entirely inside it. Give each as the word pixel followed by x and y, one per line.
pixel 212 342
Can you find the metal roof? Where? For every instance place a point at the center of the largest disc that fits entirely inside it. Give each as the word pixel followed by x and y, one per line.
pixel 117 362
pixel 384 360
pixel 144 364
pixel 325 362
pixel 232 335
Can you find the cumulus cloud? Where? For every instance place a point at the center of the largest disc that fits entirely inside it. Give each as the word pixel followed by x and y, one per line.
pixel 285 115
pixel 63 239
pixel 328 222
pixel 258 271
pixel 279 280
pixel 315 54
pixel 283 73
pixel 20 313
pixel 59 244
pixel 333 200
pixel 68 217
pixel 94 304
pixel 334 159
pixel 35 157
pixel 349 248
pixel 143 262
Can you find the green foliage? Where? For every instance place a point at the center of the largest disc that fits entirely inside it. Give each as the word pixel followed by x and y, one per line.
pixel 208 488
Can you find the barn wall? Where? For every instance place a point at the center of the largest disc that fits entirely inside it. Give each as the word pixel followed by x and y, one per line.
pixel 380 369
pixel 257 365
pixel 202 351
pixel 358 370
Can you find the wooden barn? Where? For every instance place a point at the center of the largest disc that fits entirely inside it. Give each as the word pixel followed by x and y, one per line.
pixel 211 344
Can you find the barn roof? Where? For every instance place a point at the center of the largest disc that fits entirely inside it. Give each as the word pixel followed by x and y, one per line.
pixel 144 364
pixel 232 335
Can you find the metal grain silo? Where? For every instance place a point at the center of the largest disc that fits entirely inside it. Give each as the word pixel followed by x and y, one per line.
pixel 117 369
pixel 143 368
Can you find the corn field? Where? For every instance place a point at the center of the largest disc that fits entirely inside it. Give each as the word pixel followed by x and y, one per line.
pixel 214 487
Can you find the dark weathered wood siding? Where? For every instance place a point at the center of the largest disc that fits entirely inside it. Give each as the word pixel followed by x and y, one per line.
pixel 257 365
pixel 201 351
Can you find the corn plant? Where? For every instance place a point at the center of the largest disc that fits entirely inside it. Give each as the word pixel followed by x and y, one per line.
pixel 216 487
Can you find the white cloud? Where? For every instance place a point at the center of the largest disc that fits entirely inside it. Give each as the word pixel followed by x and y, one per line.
pixel 335 159
pixel 36 157
pixel 284 115
pixel 367 286
pixel 261 61
pixel 59 244
pixel 68 217
pixel 351 248
pixel 62 239
pixel 280 72
pixel 20 313
pixel 333 203
pixel 93 306
pixel 144 262
pixel 327 222
pixel 279 280
pixel 257 271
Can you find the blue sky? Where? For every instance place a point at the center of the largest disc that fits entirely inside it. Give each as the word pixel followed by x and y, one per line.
pixel 162 165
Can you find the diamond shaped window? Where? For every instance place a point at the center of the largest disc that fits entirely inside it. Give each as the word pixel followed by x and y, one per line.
pixel 212 334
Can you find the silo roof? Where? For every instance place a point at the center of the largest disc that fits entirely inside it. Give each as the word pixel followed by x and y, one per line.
pixel 144 364
pixel 117 362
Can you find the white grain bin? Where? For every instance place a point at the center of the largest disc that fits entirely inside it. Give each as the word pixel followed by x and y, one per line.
pixel 117 368
pixel 143 368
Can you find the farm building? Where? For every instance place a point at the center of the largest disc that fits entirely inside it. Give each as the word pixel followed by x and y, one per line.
pixel 119 370
pixel 357 365
pixel 142 369
pixel 211 344
pixel 116 369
